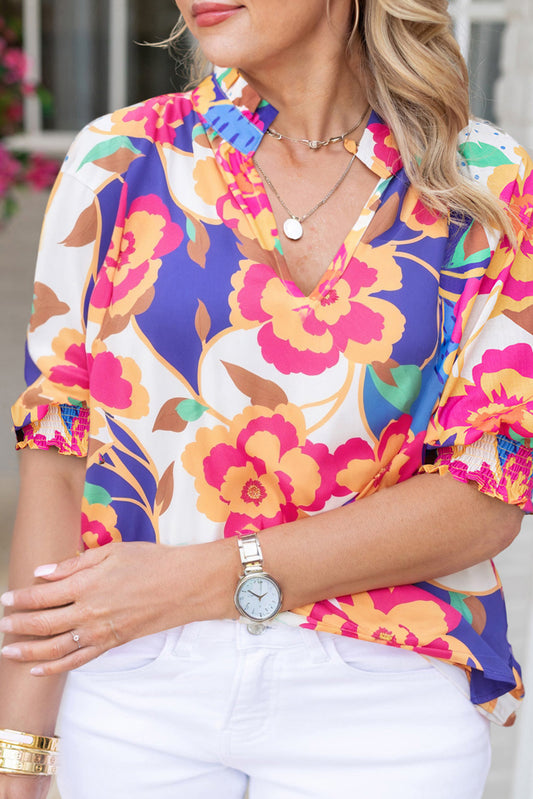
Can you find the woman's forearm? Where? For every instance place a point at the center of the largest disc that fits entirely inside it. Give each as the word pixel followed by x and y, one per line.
pixel 424 528
pixel 47 529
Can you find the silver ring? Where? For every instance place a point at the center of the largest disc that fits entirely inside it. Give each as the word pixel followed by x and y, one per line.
pixel 76 638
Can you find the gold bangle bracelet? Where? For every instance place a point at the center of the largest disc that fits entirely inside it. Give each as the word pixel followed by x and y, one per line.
pixel 36 770
pixel 26 756
pixel 29 740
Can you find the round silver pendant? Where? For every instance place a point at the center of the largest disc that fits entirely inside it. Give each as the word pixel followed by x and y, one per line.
pixel 293 229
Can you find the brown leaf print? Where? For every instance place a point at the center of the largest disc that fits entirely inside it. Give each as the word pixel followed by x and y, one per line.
pixel 475 240
pixel 33 397
pixel 479 614
pixel 45 304
pixel 202 322
pixel 94 446
pixel 202 140
pixel 113 324
pixel 197 249
pixel 165 490
pixel 382 220
pixel 168 418
pixel 252 250
pixel 118 161
pixel 261 392
pixel 383 371
pixel 144 302
pixel 523 319
pixel 85 229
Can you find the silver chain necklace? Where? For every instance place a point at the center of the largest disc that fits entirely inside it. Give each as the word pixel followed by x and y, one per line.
pixel 292 227
pixel 316 144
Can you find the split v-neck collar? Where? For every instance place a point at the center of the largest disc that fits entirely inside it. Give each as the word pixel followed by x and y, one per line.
pixel 236 112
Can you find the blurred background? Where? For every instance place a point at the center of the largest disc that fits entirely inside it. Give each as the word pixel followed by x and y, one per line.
pixel 83 58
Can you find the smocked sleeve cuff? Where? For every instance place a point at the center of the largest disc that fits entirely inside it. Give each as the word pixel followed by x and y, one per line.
pixel 63 426
pixel 499 466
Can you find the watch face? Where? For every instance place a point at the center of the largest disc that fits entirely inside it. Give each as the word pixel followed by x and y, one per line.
pixel 258 597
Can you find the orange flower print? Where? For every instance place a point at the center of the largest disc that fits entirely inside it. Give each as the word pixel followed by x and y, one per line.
pixel 141 238
pixel 66 373
pixel 157 119
pixel 308 334
pixel 245 475
pixel 495 400
pixel 98 524
pixel 116 383
pixel 419 218
pixel 406 616
pixel 395 457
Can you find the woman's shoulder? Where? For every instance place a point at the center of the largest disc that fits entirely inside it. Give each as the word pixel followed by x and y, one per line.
pixel 111 142
pixel 492 157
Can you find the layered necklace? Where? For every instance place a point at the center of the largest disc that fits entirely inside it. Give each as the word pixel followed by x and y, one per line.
pixel 292 226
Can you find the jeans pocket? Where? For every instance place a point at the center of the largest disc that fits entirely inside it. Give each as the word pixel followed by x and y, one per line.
pixel 134 657
pixel 372 657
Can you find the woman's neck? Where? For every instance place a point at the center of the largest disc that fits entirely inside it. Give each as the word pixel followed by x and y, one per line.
pixel 315 99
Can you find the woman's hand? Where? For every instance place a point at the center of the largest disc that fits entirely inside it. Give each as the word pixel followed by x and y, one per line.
pixel 108 596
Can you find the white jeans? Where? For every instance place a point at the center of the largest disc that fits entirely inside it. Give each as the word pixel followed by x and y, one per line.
pixel 201 711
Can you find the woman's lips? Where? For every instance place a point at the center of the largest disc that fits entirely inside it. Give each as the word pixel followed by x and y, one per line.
pixel 207 14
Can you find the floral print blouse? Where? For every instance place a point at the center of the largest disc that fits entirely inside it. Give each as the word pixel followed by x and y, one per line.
pixel 169 344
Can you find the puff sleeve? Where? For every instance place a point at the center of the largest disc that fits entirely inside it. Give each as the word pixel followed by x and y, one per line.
pixel 482 427
pixel 53 410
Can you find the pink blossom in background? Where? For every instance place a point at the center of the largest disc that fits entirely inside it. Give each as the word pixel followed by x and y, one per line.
pixel 41 172
pixel 10 169
pixel 15 62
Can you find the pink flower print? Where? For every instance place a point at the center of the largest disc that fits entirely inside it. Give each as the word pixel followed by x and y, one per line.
pixel 98 525
pixel 385 148
pixel 116 383
pixel 308 334
pixel 141 238
pixel 362 469
pixel 260 472
pixel 158 118
pixel 497 399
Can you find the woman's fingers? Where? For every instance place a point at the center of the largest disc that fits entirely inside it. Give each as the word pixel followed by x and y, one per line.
pixel 42 623
pixel 54 655
pixel 71 661
pixel 45 595
pixel 84 560
pixel 59 589
pixel 51 649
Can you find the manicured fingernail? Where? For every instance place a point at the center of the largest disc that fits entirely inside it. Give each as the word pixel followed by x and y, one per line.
pixel 6 625
pixel 7 599
pixel 11 651
pixel 37 671
pixel 44 571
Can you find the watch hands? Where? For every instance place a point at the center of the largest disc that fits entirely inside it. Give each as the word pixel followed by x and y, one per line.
pixel 258 596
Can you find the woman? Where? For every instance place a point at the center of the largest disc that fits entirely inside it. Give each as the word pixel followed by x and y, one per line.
pixel 241 394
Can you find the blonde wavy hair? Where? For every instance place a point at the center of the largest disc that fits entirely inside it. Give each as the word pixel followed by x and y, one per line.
pixel 417 81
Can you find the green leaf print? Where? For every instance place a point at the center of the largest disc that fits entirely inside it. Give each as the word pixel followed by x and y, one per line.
pixel 190 410
pixel 109 147
pixel 96 495
pixel 477 154
pixel 191 232
pixel 403 387
pixel 457 601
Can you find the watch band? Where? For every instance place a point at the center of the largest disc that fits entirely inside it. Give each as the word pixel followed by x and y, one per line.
pixel 251 557
pixel 250 553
